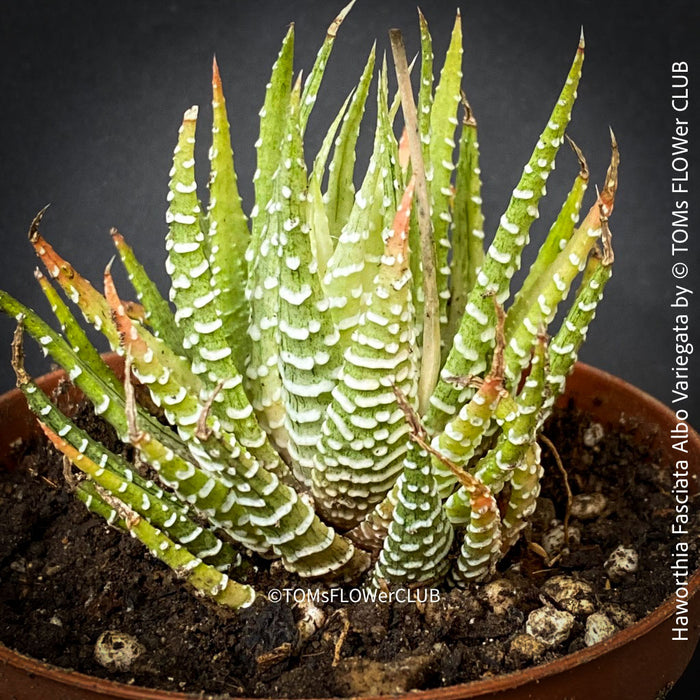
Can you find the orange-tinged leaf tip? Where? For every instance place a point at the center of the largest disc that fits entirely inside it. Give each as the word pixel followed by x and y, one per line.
pixel 60 444
pixel 398 241
pixel 110 288
pixel 215 77
pixel 56 266
pixel 483 501
pixel 127 332
pixel 404 149
pixel 607 196
pixel 114 300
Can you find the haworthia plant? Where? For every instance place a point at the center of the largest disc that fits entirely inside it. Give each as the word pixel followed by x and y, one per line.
pixel 283 368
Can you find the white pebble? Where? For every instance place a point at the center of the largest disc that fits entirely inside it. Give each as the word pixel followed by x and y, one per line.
pixel 593 435
pixel 598 628
pixel 549 625
pixel 554 539
pixel 623 561
pixel 312 619
pixel 587 506
pixel 500 594
pixel 117 650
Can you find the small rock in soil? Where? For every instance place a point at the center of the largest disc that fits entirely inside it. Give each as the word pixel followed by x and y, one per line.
pixel 619 615
pixel 549 625
pixel 598 628
pixel 587 506
pixel 312 619
pixel 593 435
pixel 623 561
pixel 500 594
pixel 357 676
pixel 554 540
pixel 527 647
pixel 117 650
pixel 573 595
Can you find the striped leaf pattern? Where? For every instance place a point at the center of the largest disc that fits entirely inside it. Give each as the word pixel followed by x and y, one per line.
pixel 284 365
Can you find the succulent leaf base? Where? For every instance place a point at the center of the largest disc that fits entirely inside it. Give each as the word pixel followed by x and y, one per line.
pixel 339 380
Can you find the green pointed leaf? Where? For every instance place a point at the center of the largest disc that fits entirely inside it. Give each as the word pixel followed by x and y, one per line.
pixel 559 234
pixel 425 92
pixel 470 349
pixel 228 232
pixel 205 579
pixel 441 146
pixel 564 347
pixel 553 284
pixel 341 191
pixel 313 82
pixel 273 121
pixel 157 310
pixel 308 339
pixel 467 224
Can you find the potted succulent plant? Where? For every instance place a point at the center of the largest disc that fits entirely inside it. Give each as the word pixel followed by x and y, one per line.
pixel 342 382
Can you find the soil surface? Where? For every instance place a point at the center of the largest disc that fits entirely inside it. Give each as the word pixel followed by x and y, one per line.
pixel 73 590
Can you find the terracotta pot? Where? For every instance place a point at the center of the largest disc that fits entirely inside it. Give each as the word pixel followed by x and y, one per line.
pixel 638 662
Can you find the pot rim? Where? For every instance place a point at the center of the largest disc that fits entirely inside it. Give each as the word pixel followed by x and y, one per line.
pixel 471 689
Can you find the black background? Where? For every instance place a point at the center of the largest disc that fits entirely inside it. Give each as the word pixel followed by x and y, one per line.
pixel 92 95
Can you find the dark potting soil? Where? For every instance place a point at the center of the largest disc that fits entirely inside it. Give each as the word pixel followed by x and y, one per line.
pixel 66 578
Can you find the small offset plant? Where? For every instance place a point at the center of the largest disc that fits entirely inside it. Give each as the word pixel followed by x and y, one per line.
pixel 337 381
